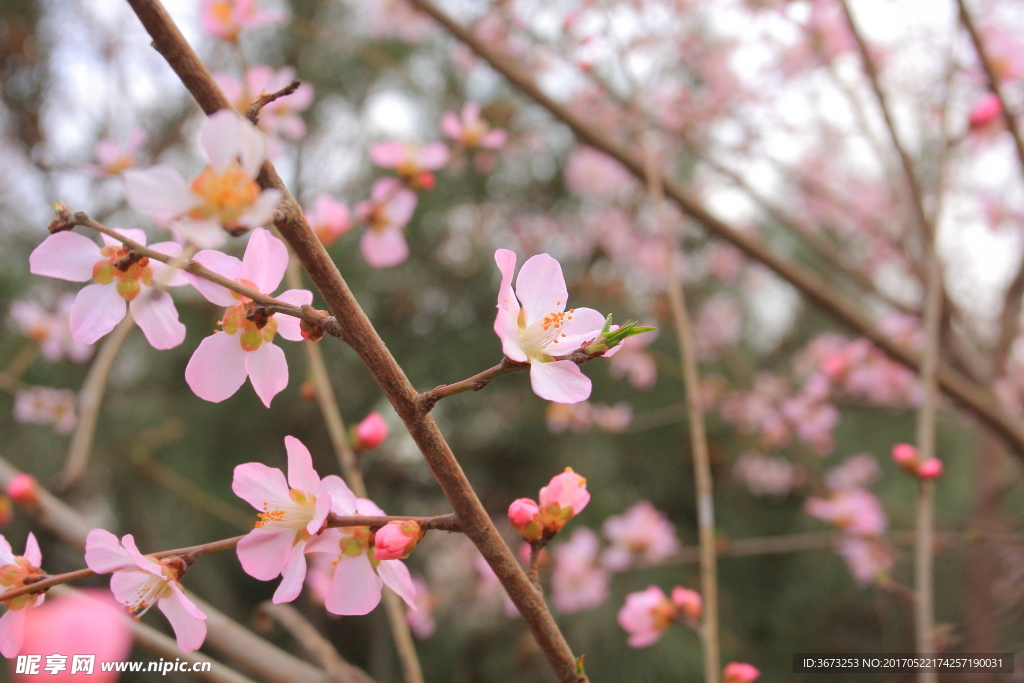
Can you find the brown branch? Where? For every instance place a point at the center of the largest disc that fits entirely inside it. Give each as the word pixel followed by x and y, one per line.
pixel 312 642
pixel 253 113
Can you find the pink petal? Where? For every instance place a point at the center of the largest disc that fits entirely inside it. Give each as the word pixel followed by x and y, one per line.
pixel 494 139
pixel 292 577
pixel 146 564
pixel 161 270
pixel 584 325
pixel 97 309
pixel 384 189
pixel 384 248
pixel 265 260
pixel 388 154
pixel 156 315
pixel 104 554
pixel 321 509
pixel 217 368
pixel 329 540
pixel 12 632
pixel 186 604
pixel 301 474
pixel 343 501
pixel 433 156
pixel 219 138
pixel 401 207
pixel 32 552
pixel 205 234
pixel 252 147
pixel 222 264
pixel 268 371
pixel 287 325
pixel 125 584
pixel 189 630
pixel 263 553
pixel 470 113
pixel 541 287
pixel 506 324
pixel 365 506
pixel 559 381
pixel 258 485
pixel 65 255
pixel 395 576
pixel 450 125
pixel 134 234
pixel 262 210
pixel 355 588
pixel 159 191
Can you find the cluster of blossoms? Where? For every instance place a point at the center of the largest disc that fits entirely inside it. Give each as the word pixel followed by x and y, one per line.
pixel 561 500
pixel 581 417
pixel 766 475
pixel 647 614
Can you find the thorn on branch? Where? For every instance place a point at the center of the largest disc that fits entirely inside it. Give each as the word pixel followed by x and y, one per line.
pixel 253 113
pixel 480 384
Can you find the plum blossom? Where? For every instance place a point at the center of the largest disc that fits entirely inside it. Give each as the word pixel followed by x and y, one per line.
pixel 388 210
pixel 227 18
pixel 737 672
pixel 985 111
pixel 854 511
pixel 412 162
pixel 524 515
pixel 562 499
pixel 47 406
pixel 114 157
pixel 224 196
pixel 292 512
pixel 52 331
pixel 17 571
pixel 397 539
pixel 122 280
pixel 764 475
pixel 541 329
pixel 869 560
pixel 856 471
pixel 590 173
pixel 358 577
pixel 930 469
pixel 577 582
pixel 369 433
pixel 470 131
pixel 329 219
pixel 641 535
pixel 245 347
pixel 646 615
pixel 280 117
pixel 141 581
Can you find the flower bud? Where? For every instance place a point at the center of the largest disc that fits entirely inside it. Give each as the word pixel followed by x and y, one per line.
pixel 308 391
pixel 905 455
pixel 930 469
pixel 23 489
pixel 985 111
pixel 395 540
pixel 562 499
pixel 688 601
pixel 369 433
pixel 735 672
pixel 525 517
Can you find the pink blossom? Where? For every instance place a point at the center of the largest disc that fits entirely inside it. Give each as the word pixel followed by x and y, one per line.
pixel 224 196
pixel 141 581
pixel 905 455
pixel 1005 51
pixel 23 489
pixel 114 157
pixel 291 512
pixel 646 616
pixel 542 330
pixel 228 18
pixel 591 173
pixel 857 471
pixel 329 219
pixel 421 620
pixel 689 603
pixel 122 281
pixel 855 511
pixel 524 514
pixel 396 540
pixel 765 475
pixel 398 19
pixel 356 584
pixel 370 433
pixel 641 536
pixel 17 571
pixel 985 111
pixel 562 499
pixel 52 331
pixel 577 582
pixel 385 214
pixel 735 672
pixel 930 469
pixel 244 347
pixel 614 419
pixel 85 621
pixel 868 559
pixel 412 162
pixel 280 117
pixel 47 406
pixel 576 417
pixel 470 131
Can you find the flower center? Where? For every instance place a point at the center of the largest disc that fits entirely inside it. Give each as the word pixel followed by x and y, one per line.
pixel 292 516
pixel 147 595
pixel 663 614
pixel 129 268
pixel 253 332
pixel 18 575
pixel 539 340
pixel 225 196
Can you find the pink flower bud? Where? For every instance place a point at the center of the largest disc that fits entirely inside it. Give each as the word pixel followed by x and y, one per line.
pixel 688 601
pixel 985 111
pixel 930 469
pixel 525 517
pixel 905 455
pixel 370 433
pixel 396 540
pixel 562 499
pixel 735 672
pixel 23 489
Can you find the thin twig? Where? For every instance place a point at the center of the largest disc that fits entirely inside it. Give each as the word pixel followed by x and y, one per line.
pixel 253 113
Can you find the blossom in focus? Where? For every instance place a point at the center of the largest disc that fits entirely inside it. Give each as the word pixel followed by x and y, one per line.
pixel 47 406
pixel 562 499
pixel 114 157
pixel 283 115
pixel 87 620
pixel 23 489
pixel 985 111
pixel 470 131
pixel 397 539
pixel 370 433
pixel 641 535
pixel 357 580
pixel 290 513
pixel 854 511
pixel 52 331
pixel 577 582
pixel 524 514
pixel 385 214
pixel 646 615
pixel 122 280
pixel 227 18
pixel 541 329
pixel 412 162
pixel 736 672
pixel 17 571
pixel 329 219
pixel 141 581
pixel 245 347
pixel 224 196
pixel 421 620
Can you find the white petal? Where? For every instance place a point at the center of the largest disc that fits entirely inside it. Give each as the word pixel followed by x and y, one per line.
pixel 222 264
pixel 159 191
pixel 220 138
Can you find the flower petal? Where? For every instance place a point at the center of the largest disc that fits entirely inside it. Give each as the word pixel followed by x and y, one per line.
pixel 128 583
pixel 321 509
pixel 541 287
pixel 395 576
pixel 301 474
pixel 506 324
pixel 263 554
pixel 222 264
pixel 292 577
pixel 252 148
pixel 388 154
pixel 582 325
pixel 32 552
pixel 288 325
pixel 262 210
pixel 268 371
pixel 205 234
pixel 97 309
pixel 258 485
pixel 134 234
pixel 355 588
pixel 343 501
pixel 327 541
pixel 265 260
pixel 12 632
pixel 65 255
pixel 220 138
pixel 104 554
pixel 433 156
pixel 189 629
pixel 560 381
pixel 143 562
pixel 161 271
pixel 384 248
pixel 217 367
pixel 155 313
pixel 159 191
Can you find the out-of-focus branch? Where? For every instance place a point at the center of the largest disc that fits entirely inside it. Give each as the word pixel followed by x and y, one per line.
pixel 312 642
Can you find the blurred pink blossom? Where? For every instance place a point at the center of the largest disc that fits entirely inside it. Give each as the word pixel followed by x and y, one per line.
pixel 17 571
pixel 635 363
pixel 329 219
pixel 577 582
pixel 591 173
pixel 421 620
pixel 855 472
pixel 855 511
pixel 385 214
pixel 114 157
pixel 641 536
pixel 736 672
pixel 283 115
pixel 412 162
pixel 985 111
pixel 52 331
pixel 228 18
pixel 470 131
pixel 868 559
pixel 767 476
pixel 646 615
pixel 47 406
